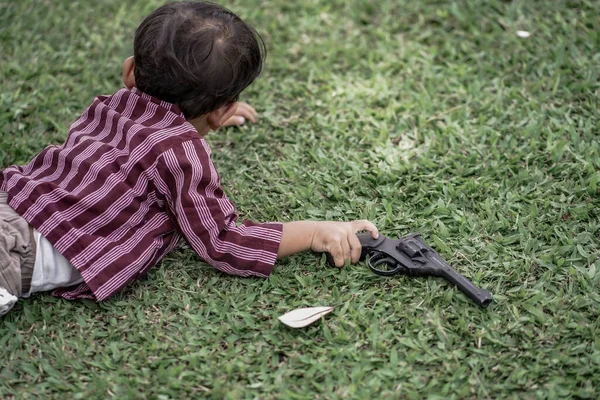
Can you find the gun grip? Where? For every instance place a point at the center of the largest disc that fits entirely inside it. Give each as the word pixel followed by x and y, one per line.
pixel 368 243
pixel 366 240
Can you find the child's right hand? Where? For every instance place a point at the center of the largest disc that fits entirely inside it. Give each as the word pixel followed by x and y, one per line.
pixel 340 240
pixel 244 112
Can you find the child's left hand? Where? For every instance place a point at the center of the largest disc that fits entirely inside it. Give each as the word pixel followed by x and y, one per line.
pixel 244 112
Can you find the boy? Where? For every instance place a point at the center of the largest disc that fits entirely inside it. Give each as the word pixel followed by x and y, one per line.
pixel 135 174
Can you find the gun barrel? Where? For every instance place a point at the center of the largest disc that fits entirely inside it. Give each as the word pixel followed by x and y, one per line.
pixel 480 296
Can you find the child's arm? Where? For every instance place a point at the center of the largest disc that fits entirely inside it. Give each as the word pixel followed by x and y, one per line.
pixel 202 213
pixel 337 238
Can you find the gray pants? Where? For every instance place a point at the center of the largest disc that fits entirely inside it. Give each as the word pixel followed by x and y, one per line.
pixel 17 250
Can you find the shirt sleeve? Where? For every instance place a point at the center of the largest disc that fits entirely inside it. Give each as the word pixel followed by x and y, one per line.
pixel 206 218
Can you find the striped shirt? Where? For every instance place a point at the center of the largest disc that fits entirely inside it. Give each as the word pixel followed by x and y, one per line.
pixel 131 180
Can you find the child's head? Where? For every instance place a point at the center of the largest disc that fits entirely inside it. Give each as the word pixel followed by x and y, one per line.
pixel 197 55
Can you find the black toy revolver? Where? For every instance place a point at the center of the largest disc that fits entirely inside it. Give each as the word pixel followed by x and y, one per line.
pixel 410 255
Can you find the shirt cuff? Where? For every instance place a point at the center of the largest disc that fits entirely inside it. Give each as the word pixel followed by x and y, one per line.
pixel 270 246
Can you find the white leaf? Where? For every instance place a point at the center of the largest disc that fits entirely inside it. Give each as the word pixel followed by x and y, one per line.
pixel 7 301
pixel 302 317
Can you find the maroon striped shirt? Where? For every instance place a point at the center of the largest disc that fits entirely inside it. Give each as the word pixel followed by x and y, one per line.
pixel 132 179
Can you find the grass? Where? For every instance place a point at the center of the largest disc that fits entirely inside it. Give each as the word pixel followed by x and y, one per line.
pixel 418 115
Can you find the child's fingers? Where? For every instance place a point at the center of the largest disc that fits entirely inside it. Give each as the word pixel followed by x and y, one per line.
pixel 355 247
pixel 246 114
pixel 234 121
pixel 364 225
pixel 247 111
pixel 347 252
pixel 250 109
pixel 338 255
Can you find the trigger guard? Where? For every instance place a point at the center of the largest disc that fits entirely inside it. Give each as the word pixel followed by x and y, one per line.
pixel 377 258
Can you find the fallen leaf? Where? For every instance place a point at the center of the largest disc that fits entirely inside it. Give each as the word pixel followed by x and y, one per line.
pixel 302 317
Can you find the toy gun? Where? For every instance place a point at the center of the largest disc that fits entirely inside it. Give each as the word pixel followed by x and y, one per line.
pixel 410 255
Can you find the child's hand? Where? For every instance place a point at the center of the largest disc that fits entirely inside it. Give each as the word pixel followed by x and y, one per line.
pixel 244 112
pixel 340 240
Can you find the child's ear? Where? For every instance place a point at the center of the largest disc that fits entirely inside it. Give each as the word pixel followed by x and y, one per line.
pixel 128 75
pixel 218 117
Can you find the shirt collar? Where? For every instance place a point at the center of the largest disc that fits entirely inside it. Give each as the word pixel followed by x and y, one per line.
pixel 169 106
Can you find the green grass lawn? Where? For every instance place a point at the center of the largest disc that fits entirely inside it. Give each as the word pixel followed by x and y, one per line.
pixel 421 116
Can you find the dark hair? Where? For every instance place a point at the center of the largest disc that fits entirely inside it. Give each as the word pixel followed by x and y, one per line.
pixel 197 55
